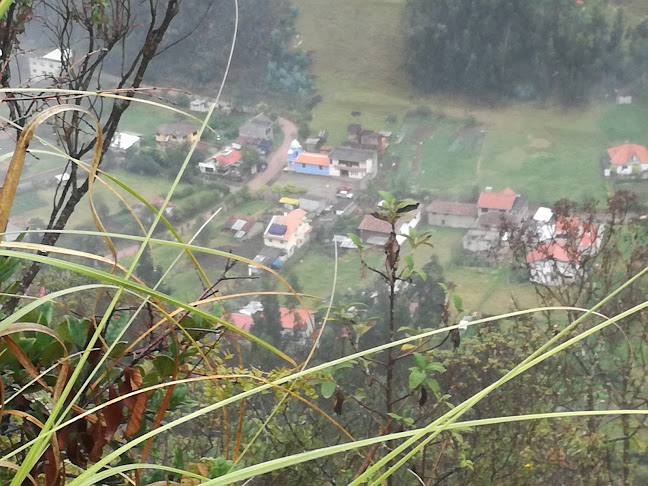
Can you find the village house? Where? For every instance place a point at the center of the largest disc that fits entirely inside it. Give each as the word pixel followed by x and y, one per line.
pixel 123 141
pixel 629 160
pixel 226 162
pixel 365 139
pixel 312 163
pixel 51 64
pixel 585 237
pixel 260 126
pixel 239 225
pixel 553 264
pixel 298 323
pixel 452 214
pixel 505 201
pixel 175 133
pixel 487 244
pixel 288 232
pixel 353 163
pixel 374 231
pixel 269 257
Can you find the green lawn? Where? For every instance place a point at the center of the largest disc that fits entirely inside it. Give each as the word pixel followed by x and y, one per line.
pixel 143 118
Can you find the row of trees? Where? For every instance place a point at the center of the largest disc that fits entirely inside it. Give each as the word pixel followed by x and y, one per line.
pixel 526 49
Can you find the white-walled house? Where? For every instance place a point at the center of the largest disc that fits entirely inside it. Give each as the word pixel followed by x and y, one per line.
pixel 627 159
pixel 554 264
pixel 288 232
pixel 353 163
pixel 51 64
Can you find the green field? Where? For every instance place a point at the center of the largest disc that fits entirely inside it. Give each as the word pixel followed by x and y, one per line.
pixel 545 152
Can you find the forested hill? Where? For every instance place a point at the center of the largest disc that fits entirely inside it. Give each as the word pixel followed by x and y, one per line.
pixel 198 49
pixel 522 49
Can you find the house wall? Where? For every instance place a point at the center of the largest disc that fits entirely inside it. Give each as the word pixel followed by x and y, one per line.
pixel 552 273
pixel 41 67
pixel 253 130
pixel 312 169
pixel 451 220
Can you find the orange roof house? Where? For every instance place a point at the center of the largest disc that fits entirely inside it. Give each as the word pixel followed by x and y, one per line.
pixel 288 232
pixel 295 317
pixel 502 200
pixel 313 159
pixel 628 154
pixel 552 251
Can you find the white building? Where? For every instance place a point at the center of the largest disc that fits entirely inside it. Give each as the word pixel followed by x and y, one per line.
pixel 353 163
pixel 288 232
pixel 51 64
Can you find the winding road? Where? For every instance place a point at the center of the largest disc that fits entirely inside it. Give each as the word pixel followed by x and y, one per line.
pixel 277 159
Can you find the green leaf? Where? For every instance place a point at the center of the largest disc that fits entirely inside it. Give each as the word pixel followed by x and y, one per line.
pixel 395 416
pixel 387 196
pixel 435 367
pixel 443 286
pixel 46 311
pixel 356 239
pixel 327 389
pixel 433 385
pixel 458 303
pixel 420 361
pixel 416 377
pixel 421 274
pixel 78 331
pixel 409 260
pixel 178 458
pixel 164 366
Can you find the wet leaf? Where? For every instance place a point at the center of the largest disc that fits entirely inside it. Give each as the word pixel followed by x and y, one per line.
pixel 328 389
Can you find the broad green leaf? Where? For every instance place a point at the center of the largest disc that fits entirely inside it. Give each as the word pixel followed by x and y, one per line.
pixel 164 366
pixel 416 377
pixel 433 385
pixel 458 303
pixel 387 196
pixel 327 389
pixel 409 260
pixel 435 367
pixel 420 361
pixel 355 238
pixel 421 274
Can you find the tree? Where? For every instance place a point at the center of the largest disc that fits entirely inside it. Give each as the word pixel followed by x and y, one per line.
pixel 250 158
pixel 272 318
pixel 96 33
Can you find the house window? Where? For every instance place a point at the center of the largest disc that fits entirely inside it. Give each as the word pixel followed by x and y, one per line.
pixel 303 166
pixel 443 222
pixel 321 167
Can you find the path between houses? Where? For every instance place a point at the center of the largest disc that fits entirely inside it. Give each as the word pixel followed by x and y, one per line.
pixel 277 159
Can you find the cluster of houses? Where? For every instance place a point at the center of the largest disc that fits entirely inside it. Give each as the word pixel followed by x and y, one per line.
pixel 356 158
pixel 559 245
pixel 484 240
pixel 298 325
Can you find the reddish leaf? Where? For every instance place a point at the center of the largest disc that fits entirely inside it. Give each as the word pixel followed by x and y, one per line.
pixel 53 476
pixel 132 382
pixel 338 400
pixel 98 432
pixel 137 413
pixel 113 415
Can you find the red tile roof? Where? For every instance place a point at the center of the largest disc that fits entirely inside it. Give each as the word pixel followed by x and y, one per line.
pixel 452 208
pixel 158 201
pixel 497 200
pixel 242 321
pixel 587 232
pixel 288 317
pixel 312 159
pixel 227 156
pixel 292 221
pixel 369 223
pixel 622 154
pixel 553 251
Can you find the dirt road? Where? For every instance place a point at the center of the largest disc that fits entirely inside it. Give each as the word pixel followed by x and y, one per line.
pixel 277 159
